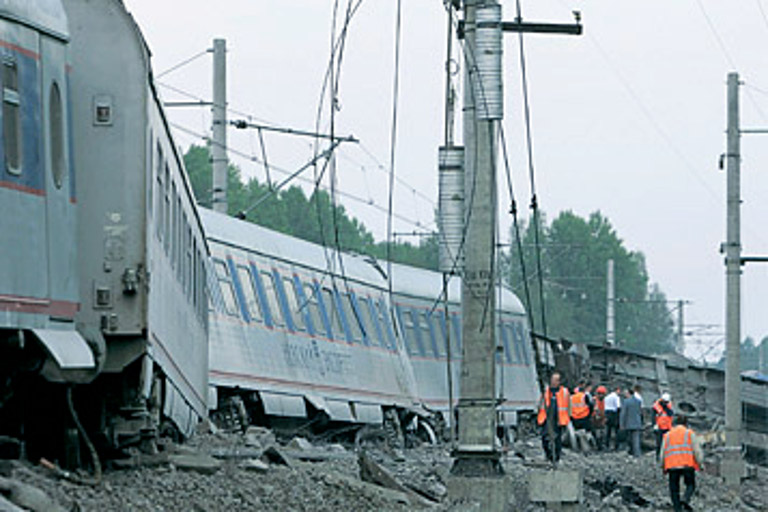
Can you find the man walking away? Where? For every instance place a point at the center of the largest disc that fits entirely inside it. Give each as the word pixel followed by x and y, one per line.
pixel 612 406
pixel 631 420
pixel 681 456
pixel 662 419
pixel 554 415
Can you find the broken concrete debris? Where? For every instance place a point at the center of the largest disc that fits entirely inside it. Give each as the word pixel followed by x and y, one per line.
pixel 220 471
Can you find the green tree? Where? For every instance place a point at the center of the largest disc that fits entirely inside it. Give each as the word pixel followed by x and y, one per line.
pixel 574 255
pixel 314 218
pixel 749 354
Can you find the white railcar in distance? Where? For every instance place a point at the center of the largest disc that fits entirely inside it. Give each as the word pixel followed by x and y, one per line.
pixel 294 335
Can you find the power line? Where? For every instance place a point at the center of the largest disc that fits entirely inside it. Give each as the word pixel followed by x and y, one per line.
pixel 392 144
pixel 531 172
pixel 182 63
pixel 308 181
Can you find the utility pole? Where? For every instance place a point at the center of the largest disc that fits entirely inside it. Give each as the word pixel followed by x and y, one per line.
pixel 219 135
pixel 477 454
pixel 610 328
pixel 732 463
pixel 680 327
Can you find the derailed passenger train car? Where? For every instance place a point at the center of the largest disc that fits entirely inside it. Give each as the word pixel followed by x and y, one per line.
pixel 142 252
pixel 40 347
pixel 294 335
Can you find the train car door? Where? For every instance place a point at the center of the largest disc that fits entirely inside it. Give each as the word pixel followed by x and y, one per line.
pixel 60 208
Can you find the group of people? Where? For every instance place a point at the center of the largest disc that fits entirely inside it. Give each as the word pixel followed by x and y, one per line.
pixel 618 417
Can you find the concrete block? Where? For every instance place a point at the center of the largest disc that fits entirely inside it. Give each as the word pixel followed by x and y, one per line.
pixel 480 494
pixel 558 486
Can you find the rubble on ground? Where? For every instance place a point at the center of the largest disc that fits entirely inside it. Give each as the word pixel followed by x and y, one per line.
pixel 253 471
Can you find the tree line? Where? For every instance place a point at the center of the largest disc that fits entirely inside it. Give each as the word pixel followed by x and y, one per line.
pixel 573 252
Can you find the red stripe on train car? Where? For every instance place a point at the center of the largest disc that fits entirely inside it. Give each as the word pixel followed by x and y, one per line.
pixel 22 188
pixel 59 308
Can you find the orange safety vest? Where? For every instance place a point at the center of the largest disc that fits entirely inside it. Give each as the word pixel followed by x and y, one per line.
pixel 579 407
pixel 663 420
pixel 562 407
pixel 678 452
pixel 599 412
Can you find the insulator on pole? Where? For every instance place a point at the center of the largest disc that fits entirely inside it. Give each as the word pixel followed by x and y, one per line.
pixel 451 209
pixel 487 83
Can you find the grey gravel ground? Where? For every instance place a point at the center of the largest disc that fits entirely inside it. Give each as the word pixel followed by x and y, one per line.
pixel 332 483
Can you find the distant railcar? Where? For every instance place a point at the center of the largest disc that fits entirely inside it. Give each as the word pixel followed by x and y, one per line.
pixel 292 335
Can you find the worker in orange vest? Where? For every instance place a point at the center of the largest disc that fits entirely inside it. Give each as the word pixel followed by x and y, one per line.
pixel 554 415
pixel 681 456
pixel 580 410
pixel 598 416
pixel 662 419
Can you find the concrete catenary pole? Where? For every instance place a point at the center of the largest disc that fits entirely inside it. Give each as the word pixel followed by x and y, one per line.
pixel 219 136
pixel 680 326
pixel 610 327
pixel 477 453
pixel 732 463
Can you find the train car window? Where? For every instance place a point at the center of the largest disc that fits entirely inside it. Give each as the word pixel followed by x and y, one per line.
pixel 329 300
pixel 313 307
pixel 227 290
pixel 506 342
pixel 524 342
pixel 364 315
pixel 385 319
pixel 427 333
pixel 518 342
pixel 409 330
pixel 352 318
pixel 56 135
pixel 159 193
pixel 151 177
pixel 438 344
pixel 370 308
pixel 270 291
pixel 456 326
pixel 193 276
pixel 167 208
pixel 189 267
pixel 12 117
pixel 419 330
pixel 294 304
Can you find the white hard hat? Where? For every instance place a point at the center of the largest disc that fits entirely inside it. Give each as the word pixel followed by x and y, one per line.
pixel 665 396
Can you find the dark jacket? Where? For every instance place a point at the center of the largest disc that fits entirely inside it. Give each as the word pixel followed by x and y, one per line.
pixel 631 417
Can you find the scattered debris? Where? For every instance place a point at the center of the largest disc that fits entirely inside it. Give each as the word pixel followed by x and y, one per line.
pixel 28 496
pixel 204 464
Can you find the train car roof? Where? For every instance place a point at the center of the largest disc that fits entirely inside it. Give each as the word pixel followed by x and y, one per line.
pixel 408 280
pixel 44 15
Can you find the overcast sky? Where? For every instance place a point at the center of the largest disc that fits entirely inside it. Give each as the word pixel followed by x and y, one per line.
pixel 628 119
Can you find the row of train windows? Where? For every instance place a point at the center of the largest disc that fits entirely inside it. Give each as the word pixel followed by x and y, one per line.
pixel 267 296
pixel 175 234
pixel 12 129
pixel 285 301
pixel 424 332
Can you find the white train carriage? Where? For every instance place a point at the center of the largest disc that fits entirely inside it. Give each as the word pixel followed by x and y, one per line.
pixel 421 314
pixel 142 249
pixel 299 334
